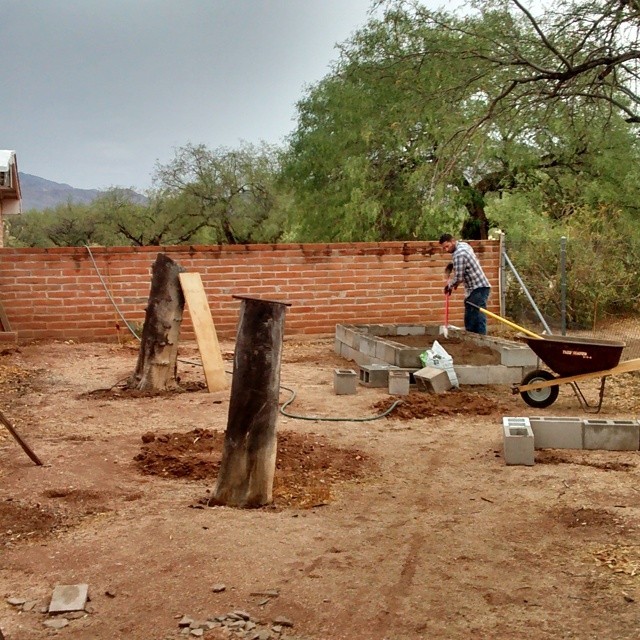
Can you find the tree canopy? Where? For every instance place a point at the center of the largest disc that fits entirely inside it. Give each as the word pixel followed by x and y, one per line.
pixel 425 120
pixel 414 127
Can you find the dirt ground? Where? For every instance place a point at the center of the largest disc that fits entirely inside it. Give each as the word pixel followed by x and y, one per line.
pixel 399 527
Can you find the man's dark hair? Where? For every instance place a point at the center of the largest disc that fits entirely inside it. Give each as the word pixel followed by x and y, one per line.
pixel 445 237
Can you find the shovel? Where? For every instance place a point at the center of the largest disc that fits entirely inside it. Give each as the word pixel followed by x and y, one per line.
pixel 445 330
pixel 513 325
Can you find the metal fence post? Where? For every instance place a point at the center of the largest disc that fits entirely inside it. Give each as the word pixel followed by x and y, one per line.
pixel 563 285
pixel 503 276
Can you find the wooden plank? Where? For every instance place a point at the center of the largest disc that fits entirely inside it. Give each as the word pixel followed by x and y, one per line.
pixel 205 331
pixel 626 367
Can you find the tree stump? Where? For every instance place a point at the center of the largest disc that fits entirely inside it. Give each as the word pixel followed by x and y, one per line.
pixel 249 455
pixel 156 368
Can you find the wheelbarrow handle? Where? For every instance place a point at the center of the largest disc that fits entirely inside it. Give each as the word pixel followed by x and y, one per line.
pixel 513 325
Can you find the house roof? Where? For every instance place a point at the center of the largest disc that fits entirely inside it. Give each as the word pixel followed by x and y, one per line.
pixel 7 158
pixel 10 196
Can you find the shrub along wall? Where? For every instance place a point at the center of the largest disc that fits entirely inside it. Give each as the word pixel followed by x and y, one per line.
pixel 81 294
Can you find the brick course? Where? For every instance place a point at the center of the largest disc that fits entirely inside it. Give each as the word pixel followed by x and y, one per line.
pixel 58 293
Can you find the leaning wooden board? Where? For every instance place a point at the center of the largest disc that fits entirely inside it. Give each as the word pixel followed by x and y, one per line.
pixel 205 331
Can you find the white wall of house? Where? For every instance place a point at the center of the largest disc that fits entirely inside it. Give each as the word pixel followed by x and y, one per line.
pixel 10 195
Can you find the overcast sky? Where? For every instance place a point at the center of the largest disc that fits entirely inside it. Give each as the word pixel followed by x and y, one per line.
pixel 95 92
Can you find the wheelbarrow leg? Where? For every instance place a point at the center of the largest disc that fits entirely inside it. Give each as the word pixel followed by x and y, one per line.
pixel 588 408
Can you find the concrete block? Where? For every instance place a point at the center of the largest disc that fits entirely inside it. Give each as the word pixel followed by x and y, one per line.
pixel 375 375
pixel 344 382
pixel 557 433
pixel 433 380
pixel 68 597
pixel 407 357
pixel 517 356
pixel 410 330
pixel 348 335
pixel 368 346
pixel 386 351
pixel 519 421
pixel 612 435
pixel 380 329
pixel 518 441
pixel 399 382
pixel 488 374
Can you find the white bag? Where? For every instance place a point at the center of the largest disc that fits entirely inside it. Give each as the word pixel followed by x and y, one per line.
pixel 438 357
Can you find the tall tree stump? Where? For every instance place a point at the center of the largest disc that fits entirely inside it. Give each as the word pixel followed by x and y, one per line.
pixel 249 454
pixel 156 368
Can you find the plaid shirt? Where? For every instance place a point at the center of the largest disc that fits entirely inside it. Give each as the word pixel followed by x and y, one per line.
pixel 467 269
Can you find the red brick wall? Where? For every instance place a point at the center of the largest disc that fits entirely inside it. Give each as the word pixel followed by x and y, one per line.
pixel 59 293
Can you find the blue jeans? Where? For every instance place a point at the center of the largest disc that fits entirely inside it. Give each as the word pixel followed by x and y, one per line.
pixel 474 319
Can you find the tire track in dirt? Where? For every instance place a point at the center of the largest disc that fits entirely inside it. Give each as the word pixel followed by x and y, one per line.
pixel 409 481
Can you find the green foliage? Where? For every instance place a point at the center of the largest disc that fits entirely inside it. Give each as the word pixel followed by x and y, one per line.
pixel 222 196
pixel 65 225
pixel 602 260
pixel 404 138
pixel 201 197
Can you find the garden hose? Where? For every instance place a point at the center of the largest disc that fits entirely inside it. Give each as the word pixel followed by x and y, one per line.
pixel 291 391
pixel 298 417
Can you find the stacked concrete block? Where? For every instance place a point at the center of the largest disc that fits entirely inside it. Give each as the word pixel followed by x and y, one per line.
pixel 557 433
pixel 489 374
pixel 368 344
pixel 410 330
pixel 612 435
pixel 375 375
pixel 512 354
pixel 518 441
pixel 399 382
pixel 517 356
pixel 433 380
pixel 344 382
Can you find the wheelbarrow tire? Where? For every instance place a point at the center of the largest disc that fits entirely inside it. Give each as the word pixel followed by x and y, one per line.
pixel 539 398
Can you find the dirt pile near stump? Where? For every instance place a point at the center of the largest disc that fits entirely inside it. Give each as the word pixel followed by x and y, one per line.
pixel 308 467
pixel 425 405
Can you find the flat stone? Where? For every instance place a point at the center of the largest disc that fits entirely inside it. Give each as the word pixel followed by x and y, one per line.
pixel 283 622
pixel 218 588
pixel 69 597
pixel 16 602
pixel 76 615
pixel 56 623
pixel 268 593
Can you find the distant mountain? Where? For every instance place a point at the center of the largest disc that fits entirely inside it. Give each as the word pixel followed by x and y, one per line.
pixel 38 193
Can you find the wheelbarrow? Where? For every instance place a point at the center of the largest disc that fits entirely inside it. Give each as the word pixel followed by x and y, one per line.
pixel 571 360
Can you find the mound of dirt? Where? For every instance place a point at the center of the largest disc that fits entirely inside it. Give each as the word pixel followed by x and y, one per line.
pixel 23 520
pixel 308 467
pixel 425 405
pixel 462 351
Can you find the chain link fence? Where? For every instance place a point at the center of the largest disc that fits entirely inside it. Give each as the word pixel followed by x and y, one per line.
pixel 587 287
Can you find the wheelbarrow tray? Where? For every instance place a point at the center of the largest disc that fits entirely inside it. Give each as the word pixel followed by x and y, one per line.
pixel 569 356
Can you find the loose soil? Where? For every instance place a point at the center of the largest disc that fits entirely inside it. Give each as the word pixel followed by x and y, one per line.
pixel 462 351
pixel 401 523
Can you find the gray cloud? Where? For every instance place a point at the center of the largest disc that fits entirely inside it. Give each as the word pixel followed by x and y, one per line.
pixel 96 92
